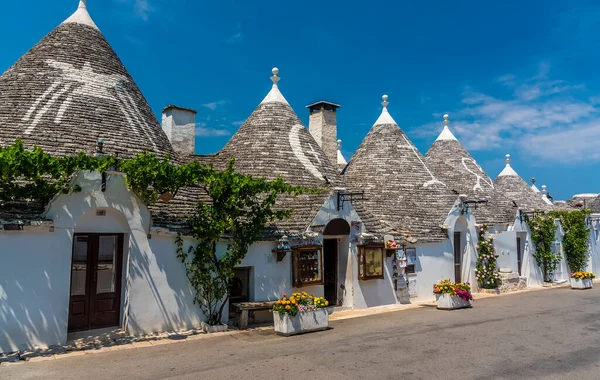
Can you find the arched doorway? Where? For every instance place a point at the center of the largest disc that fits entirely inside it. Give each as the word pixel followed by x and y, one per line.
pixel 335 232
pixel 460 228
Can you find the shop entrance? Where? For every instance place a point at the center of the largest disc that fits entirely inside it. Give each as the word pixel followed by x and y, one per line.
pixel 336 232
pixel 96 269
pixel 330 262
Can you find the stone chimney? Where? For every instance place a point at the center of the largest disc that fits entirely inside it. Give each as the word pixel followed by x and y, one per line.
pixel 323 127
pixel 179 125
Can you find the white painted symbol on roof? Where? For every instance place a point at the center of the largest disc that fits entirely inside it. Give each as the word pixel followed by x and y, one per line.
pixel 478 173
pixel 294 139
pixel 74 82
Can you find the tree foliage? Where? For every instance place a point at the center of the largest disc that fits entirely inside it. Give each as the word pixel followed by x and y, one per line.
pixel 543 232
pixel 576 239
pixel 240 207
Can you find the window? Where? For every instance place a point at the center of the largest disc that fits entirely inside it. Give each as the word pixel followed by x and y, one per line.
pixel 307 266
pixel 411 260
pixel 370 262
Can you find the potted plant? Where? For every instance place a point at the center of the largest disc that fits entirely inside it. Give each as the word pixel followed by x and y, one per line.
pixel 450 295
pixel 300 313
pixel 582 280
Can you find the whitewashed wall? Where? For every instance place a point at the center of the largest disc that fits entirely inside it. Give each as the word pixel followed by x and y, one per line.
pixel 594 245
pixel 34 288
pixel 35 271
pixel 505 246
pixel 529 268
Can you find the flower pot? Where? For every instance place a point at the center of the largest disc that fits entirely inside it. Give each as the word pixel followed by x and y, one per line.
pixel 208 329
pixel 581 284
pixel 307 321
pixel 447 302
pixel 166 197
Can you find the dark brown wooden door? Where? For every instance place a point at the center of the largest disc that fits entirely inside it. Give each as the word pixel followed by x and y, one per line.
pixel 96 270
pixel 457 257
pixel 330 262
pixel 519 255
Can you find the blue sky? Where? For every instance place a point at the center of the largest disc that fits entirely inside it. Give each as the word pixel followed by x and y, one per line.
pixel 518 77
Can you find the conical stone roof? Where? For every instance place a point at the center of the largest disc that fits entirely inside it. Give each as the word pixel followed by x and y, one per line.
pixel 516 190
pixel 400 190
pixel 453 165
pixel 274 143
pixel 70 90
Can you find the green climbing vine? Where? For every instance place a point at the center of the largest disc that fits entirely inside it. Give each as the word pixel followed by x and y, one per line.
pixel 487 271
pixel 38 176
pixel 33 175
pixel 542 234
pixel 576 239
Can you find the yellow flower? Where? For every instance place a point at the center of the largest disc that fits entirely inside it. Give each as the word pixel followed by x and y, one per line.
pixel 287 307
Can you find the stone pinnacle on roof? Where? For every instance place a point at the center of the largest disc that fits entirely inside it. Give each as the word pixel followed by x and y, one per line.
pixel 533 186
pixel 385 117
pixel 446 133
pixel 545 195
pixel 508 170
pixel 275 95
pixel 81 16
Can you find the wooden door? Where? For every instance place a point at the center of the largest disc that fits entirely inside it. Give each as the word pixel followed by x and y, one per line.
pixel 330 262
pixel 519 255
pixel 457 257
pixel 96 270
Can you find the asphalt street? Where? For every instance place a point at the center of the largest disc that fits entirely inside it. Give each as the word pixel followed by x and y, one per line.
pixel 547 334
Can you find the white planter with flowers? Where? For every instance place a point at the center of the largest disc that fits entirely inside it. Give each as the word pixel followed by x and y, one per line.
pixel 582 280
pixel 300 313
pixel 306 321
pixel 450 295
pixel 450 302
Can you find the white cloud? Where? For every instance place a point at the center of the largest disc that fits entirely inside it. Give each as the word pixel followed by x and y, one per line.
pixel 204 131
pixel 238 123
pixel 141 8
pixel 213 105
pixel 237 35
pixel 543 117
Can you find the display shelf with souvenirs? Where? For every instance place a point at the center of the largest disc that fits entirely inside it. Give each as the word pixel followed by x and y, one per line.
pixel 307 266
pixel 390 248
pixel 370 261
pixel 283 247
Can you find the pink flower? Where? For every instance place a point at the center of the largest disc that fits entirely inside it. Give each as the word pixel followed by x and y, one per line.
pixel 284 295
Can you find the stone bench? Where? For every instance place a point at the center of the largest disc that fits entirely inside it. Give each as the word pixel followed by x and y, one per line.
pixel 242 309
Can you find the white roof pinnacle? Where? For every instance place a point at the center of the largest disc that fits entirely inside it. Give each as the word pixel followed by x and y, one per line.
pixel 81 16
pixel 508 170
pixel 446 133
pixel 385 117
pixel 275 95
pixel 545 195
pixel 340 157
